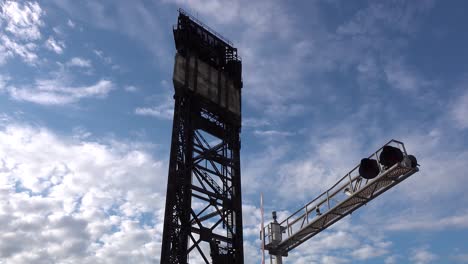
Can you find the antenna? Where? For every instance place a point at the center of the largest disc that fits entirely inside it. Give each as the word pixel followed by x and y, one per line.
pixel 262 228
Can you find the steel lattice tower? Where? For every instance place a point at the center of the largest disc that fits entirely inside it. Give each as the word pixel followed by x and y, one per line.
pixel 203 217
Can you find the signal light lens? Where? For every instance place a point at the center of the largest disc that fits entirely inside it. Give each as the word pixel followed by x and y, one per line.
pixel 414 161
pixel 369 168
pixel 390 156
pixel 410 161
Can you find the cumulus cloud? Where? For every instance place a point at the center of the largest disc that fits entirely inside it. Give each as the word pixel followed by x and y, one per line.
pixel 71 201
pixel 377 17
pixel 54 45
pixel 368 251
pixel 391 259
pixel 4 54
pixel 401 77
pixel 333 260
pixel 158 111
pixel 423 256
pixel 56 92
pixel 273 133
pixel 100 54
pixel 432 147
pixel 448 222
pixel 131 88
pixel 318 167
pixel 165 110
pixel 70 23
pixel 21 23
pixel 23 20
pixel 260 166
pixel 254 122
pixel 79 62
pixel 25 51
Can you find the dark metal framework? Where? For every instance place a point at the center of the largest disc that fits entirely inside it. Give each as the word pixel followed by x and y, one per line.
pixel 203 217
pixel 347 195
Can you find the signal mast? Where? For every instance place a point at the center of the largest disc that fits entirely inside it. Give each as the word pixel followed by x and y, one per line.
pixel 376 174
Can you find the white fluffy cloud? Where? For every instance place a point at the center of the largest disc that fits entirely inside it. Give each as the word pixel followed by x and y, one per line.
pixel 69 201
pixel 107 200
pixel 165 109
pixel 400 76
pixel 25 50
pixel 131 88
pixel 56 92
pixel 4 54
pixel 70 23
pixel 273 133
pixel 161 112
pixel 458 221
pixel 391 259
pixel 79 62
pixel 21 23
pixel 22 19
pixel 423 256
pixel 367 251
pixel 54 45
pixel 318 168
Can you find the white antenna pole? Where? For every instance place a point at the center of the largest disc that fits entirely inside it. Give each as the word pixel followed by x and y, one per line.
pixel 262 228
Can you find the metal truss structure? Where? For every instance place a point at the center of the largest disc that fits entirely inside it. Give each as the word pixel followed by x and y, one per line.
pixel 203 217
pixel 347 195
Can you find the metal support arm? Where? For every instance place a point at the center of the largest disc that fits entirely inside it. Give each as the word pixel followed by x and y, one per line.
pixel 344 197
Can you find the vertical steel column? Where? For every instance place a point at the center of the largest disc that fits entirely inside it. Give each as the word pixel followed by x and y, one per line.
pixel 279 259
pixel 237 196
pixel 178 198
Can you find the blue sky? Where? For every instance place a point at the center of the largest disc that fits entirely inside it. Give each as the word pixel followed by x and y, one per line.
pixel 86 114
